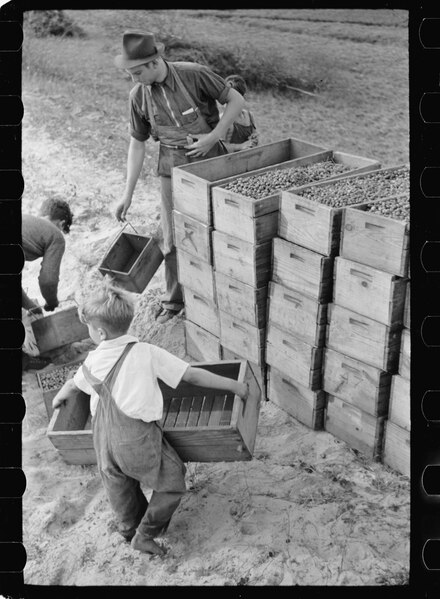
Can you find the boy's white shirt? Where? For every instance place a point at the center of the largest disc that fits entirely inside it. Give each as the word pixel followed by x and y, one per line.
pixel 136 390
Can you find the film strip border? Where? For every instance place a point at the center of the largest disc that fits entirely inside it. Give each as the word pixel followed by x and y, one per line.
pixel 425 301
pixel 12 408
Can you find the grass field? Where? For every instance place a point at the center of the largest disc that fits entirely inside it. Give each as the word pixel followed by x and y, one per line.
pixel 356 61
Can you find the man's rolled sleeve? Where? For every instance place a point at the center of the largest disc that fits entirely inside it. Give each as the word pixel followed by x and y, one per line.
pixel 50 270
pixel 212 85
pixel 139 126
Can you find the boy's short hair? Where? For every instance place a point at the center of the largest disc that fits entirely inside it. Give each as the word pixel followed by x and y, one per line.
pixel 238 83
pixel 111 306
pixel 57 209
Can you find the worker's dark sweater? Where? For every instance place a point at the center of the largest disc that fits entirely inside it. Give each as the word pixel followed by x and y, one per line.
pixel 42 239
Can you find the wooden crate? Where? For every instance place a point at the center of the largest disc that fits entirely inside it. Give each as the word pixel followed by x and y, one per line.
pixel 405 354
pixel 400 400
pixel 359 430
pixel 203 425
pixel 258 370
pixel 200 344
pixel 247 303
pixel 193 183
pixel 396 453
pixel 242 260
pixel 407 308
pixel 192 236
pixel 297 314
pixel 64 372
pixel 196 274
pixel 357 383
pixel 363 338
pixel 369 291
pixel 291 355
pixel 302 270
pixel 58 329
pixel 256 220
pixel 132 260
pixel 300 402
pixel 201 311
pixel 375 240
pixel 70 430
pixel 242 337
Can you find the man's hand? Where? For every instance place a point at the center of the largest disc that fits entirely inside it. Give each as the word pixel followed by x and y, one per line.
pixel 56 403
pixel 122 209
pixel 205 141
pixel 50 307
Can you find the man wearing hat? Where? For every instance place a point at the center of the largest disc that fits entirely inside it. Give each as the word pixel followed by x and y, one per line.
pixel 175 104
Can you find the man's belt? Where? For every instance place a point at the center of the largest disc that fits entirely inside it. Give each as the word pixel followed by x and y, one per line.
pixel 173 147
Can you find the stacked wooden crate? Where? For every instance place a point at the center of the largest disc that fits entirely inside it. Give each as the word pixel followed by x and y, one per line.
pixel 299 294
pixel 193 231
pixel 246 213
pixel 397 428
pixel 366 316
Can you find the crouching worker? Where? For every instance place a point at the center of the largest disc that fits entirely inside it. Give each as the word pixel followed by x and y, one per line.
pixel 121 375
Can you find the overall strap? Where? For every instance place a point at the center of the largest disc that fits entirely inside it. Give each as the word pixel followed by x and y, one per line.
pixel 96 383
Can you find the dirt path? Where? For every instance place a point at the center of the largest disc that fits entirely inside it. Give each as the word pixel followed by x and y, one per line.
pixel 306 510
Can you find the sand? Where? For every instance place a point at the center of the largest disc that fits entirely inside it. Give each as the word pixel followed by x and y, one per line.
pixel 306 510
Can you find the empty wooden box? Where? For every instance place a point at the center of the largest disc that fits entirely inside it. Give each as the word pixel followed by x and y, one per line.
pixel 203 425
pixel 193 183
pixel 358 429
pixel 58 329
pixel 302 403
pixel 132 260
pixel 374 293
pixel 357 383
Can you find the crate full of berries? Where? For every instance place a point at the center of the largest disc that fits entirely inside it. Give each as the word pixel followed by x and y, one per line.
pixel 248 206
pixel 52 379
pixel 377 234
pixel 311 215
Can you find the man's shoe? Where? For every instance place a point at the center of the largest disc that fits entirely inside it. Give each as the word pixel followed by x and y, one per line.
pixel 166 315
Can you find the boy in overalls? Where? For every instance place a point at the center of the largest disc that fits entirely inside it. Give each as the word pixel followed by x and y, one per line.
pixel 175 103
pixel 121 376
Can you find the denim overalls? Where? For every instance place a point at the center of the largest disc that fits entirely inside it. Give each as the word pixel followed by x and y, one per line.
pixel 131 452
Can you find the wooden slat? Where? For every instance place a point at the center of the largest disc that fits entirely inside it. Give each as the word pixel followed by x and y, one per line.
pixel 182 417
pixel 173 412
pixel 225 419
pixel 217 410
pixel 206 410
pixel 194 411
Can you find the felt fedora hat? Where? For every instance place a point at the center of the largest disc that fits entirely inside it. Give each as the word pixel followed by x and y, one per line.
pixel 138 47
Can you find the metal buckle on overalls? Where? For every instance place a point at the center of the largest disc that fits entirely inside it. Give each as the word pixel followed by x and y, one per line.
pixel 173 147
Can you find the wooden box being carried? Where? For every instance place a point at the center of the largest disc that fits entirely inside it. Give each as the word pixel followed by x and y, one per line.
pixel 200 344
pixel 302 270
pixel 242 260
pixel 358 429
pixel 201 311
pixel 375 240
pixel 245 302
pixel 256 220
pixel 363 338
pixel 369 291
pixel 400 412
pixel 203 425
pixel 357 383
pixel 50 381
pixel 192 236
pixel 242 337
pixel 405 354
pixel 193 183
pixel 196 274
pixel 297 314
pixel 302 403
pixel 132 260
pixel 59 328
pixel 397 445
pixel 291 355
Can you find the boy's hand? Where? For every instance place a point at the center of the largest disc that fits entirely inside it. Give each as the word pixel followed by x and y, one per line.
pixel 243 390
pixel 56 403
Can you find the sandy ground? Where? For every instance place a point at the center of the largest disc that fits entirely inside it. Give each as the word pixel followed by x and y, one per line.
pixel 307 510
